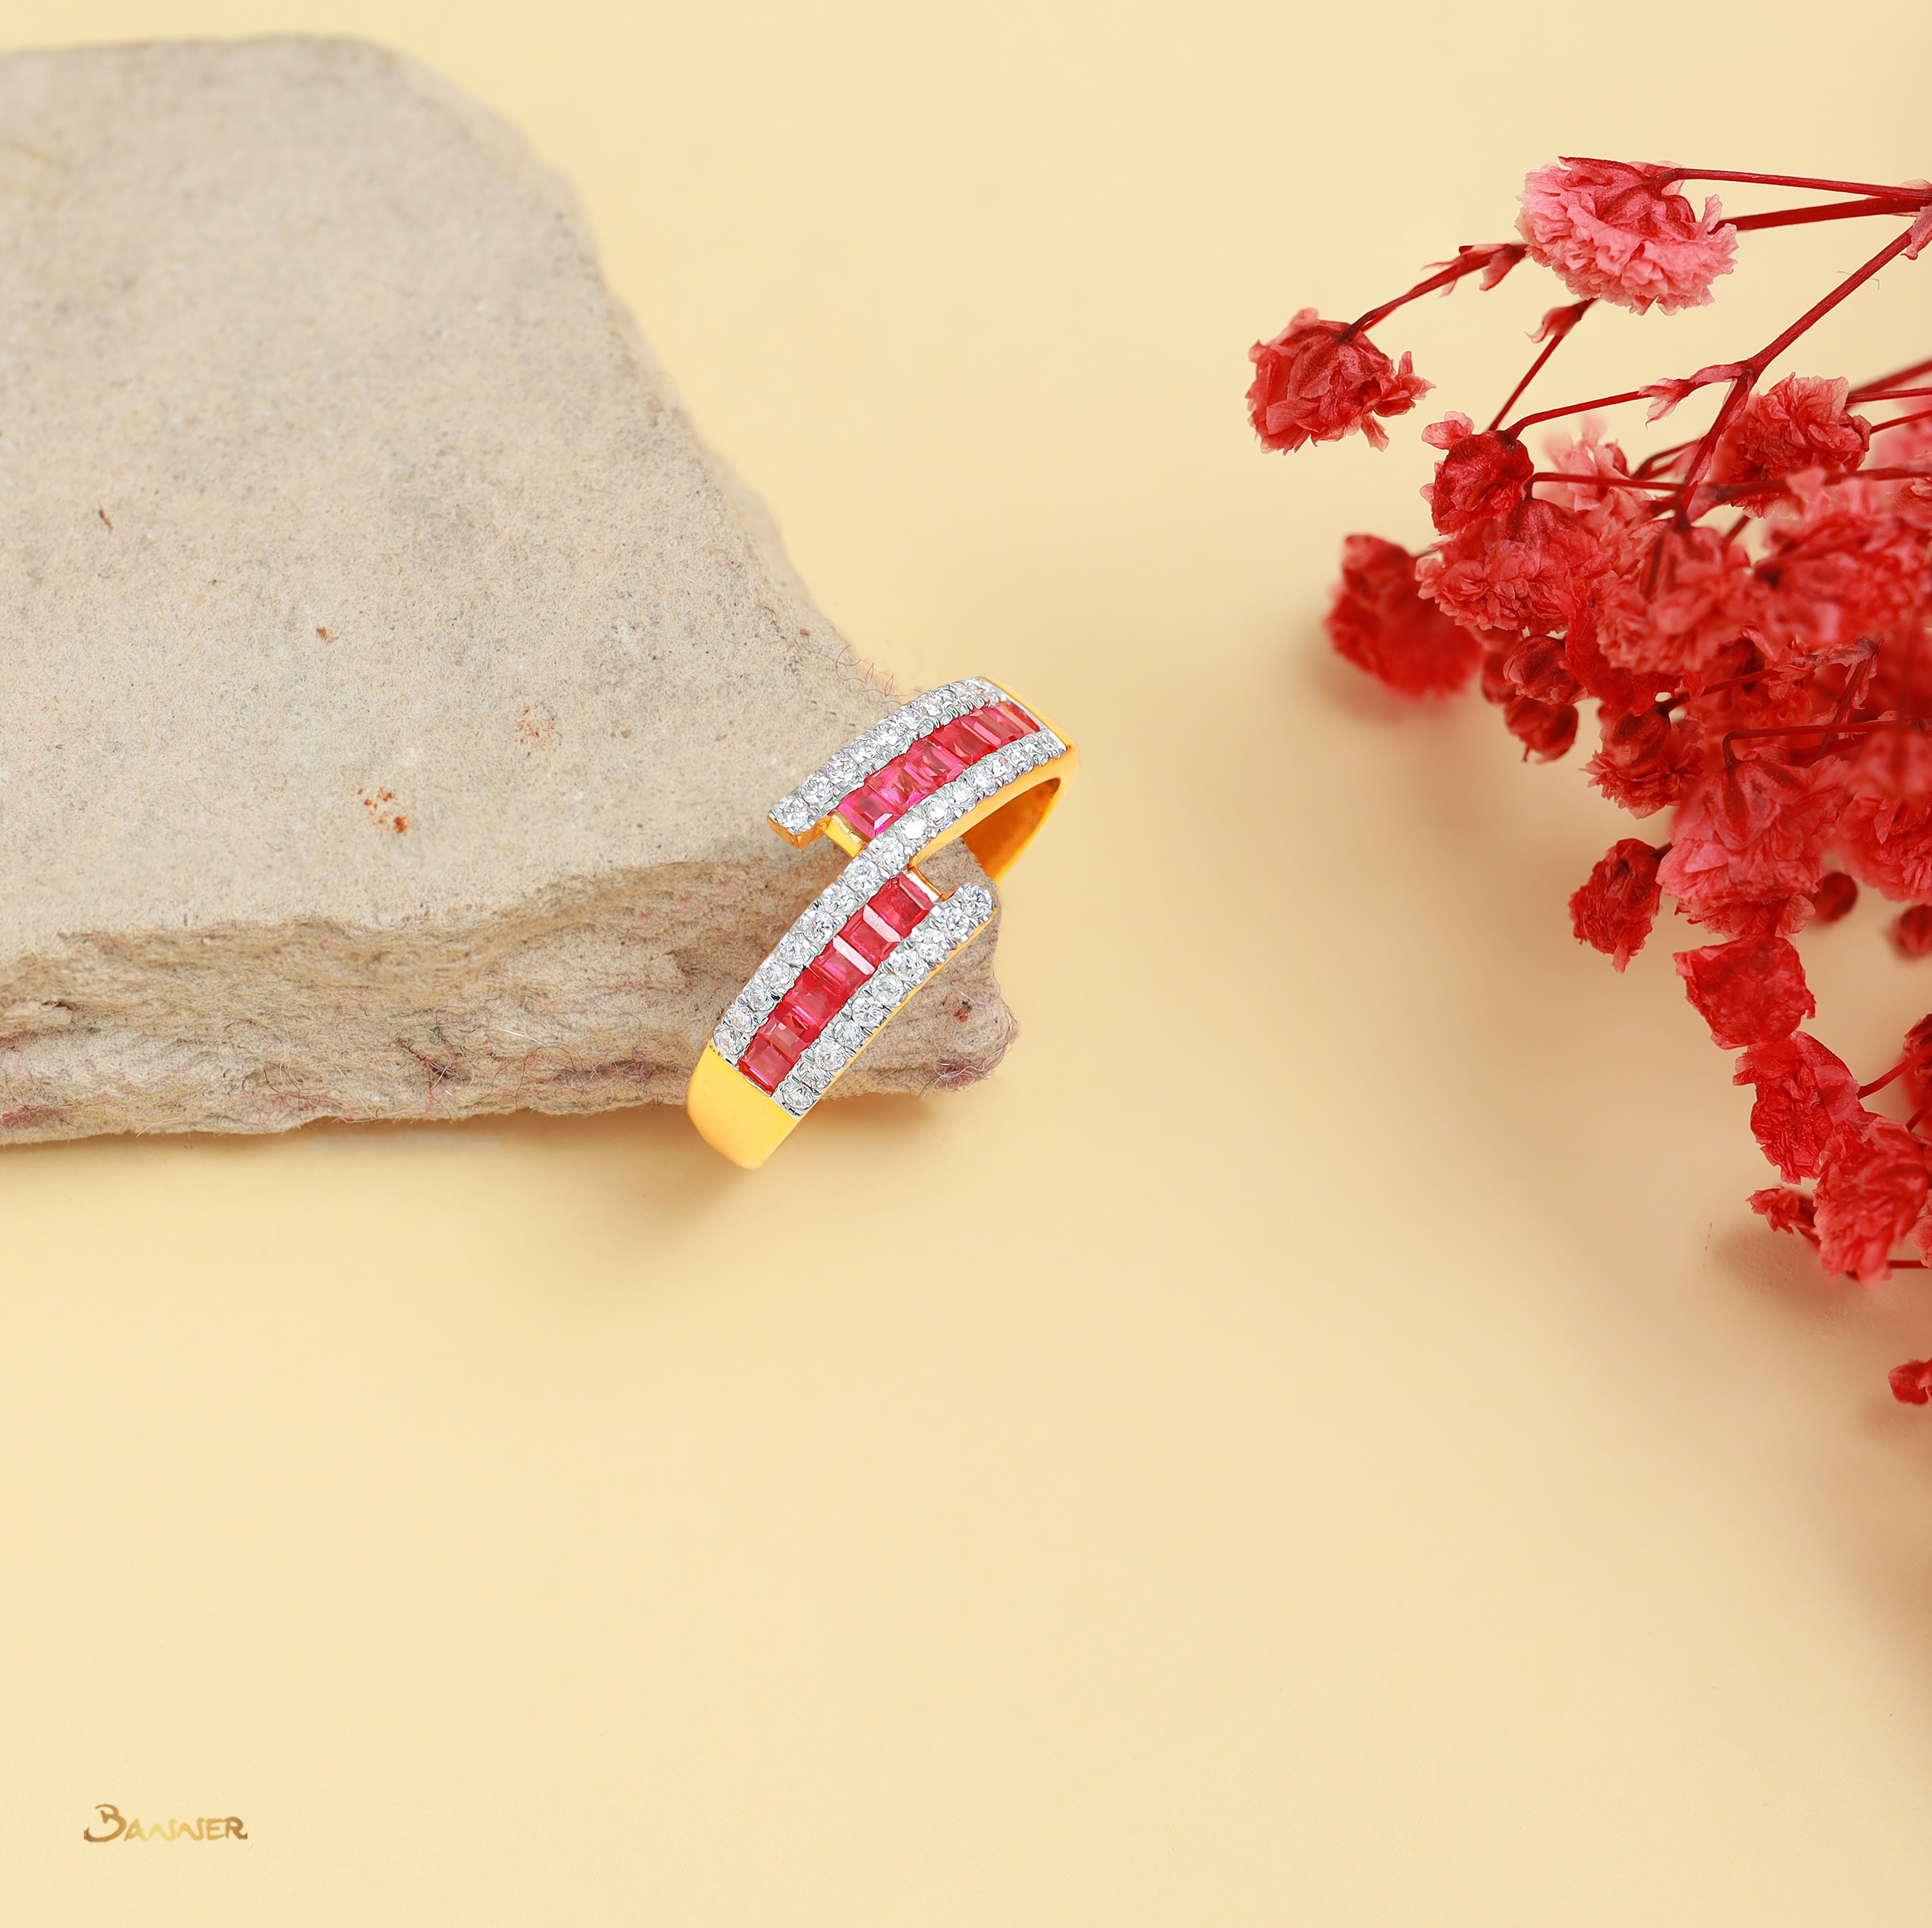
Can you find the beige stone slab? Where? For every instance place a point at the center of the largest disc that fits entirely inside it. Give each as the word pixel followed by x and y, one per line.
pixel 394 685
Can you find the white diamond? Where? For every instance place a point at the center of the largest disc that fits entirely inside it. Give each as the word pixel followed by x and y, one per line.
pixel 846 1035
pixel 839 902
pixel 929 940
pixel 796 948
pixel 868 1012
pixel 862 876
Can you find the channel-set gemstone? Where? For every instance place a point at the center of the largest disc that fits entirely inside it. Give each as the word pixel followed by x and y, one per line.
pixel 823 987
pixel 930 764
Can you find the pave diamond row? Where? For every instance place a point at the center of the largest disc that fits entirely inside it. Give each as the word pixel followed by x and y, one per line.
pixel 951 923
pixel 882 860
pixel 840 774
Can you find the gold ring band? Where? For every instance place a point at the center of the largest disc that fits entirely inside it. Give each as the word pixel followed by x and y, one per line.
pixel 966 761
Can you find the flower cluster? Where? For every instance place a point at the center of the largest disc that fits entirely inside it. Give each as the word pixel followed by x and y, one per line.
pixel 1747 614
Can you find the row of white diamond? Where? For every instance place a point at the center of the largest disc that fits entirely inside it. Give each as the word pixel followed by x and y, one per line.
pixel 953 922
pixel 884 857
pixel 840 775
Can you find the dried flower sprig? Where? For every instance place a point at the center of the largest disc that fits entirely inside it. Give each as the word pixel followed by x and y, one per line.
pixel 1750 613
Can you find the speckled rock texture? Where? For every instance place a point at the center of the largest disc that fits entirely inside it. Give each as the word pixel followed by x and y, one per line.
pixel 395 685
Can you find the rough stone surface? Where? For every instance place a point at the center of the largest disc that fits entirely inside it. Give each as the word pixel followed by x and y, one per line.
pixel 394 686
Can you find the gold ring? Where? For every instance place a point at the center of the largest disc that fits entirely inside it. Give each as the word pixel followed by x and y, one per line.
pixel 965 761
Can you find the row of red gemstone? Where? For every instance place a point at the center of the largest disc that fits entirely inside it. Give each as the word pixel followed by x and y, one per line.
pixel 931 763
pixel 822 987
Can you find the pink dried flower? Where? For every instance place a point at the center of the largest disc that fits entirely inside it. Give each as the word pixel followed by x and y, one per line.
pixel 1801 422
pixel 1319 380
pixel 1616 233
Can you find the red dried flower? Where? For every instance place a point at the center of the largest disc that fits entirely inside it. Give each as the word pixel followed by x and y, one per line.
pixel 1672 599
pixel 1481 476
pixel 1801 422
pixel 1834 897
pixel 1546 731
pixel 1837 571
pixel 1805 1094
pixel 1771 684
pixel 1912 931
pixel 1748 848
pixel 1785 1210
pixel 1647 762
pixel 1382 625
pixel 1750 991
pixel 1319 380
pixel 1912 1383
pixel 1615 233
pixel 1614 908
pixel 1871 1189
pixel 1524 574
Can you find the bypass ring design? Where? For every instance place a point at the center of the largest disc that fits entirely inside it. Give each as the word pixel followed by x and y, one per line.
pixel 965 761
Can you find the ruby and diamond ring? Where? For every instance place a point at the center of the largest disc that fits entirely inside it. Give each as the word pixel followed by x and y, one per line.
pixel 964 761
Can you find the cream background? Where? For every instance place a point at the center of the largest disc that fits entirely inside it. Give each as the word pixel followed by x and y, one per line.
pixel 1317 1438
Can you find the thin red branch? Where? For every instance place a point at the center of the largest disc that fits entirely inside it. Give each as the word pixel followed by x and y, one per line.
pixel 1885 191
pixel 1831 210
pixel 1470 261
pixel 1559 333
pixel 1523 422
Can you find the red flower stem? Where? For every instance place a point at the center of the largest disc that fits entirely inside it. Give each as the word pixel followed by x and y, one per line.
pixel 1897 375
pixel 1596 481
pixel 1885 394
pixel 1830 731
pixel 1912 1124
pixel 1523 422
pixel 1832 210
pixel 1555 341
pixel 1899 422
pixel 1879 1083
pixel 1662 455
pixel 1472 263
pixel 1755 366
pixel 1881 190
pixel 1908 1265
pixel 1812 315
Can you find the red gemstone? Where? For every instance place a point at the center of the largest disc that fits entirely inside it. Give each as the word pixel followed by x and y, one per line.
pixel 843 973
pixel 1027 725
pixel 867 812
pixel 984 726
pixel 933 763
pixel 901 903
pixel 808 1006
pixel 765 1061
pixel 997 724
pixel 895 786
pixel 867 939
pixel 963 742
